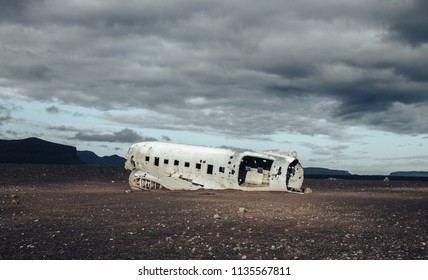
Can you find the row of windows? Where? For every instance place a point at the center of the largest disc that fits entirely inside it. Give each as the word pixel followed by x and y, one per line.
pixel 198 166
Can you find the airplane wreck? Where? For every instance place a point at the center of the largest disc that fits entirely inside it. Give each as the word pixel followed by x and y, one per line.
pixel 156 165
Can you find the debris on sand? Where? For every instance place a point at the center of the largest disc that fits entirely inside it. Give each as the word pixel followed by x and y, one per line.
pixel 168 239
pixel 307 191
pixel 217 216
pixel 242 210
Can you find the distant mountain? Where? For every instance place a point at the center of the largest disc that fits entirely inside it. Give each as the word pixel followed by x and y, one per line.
pixel 38 151
pixel 409 173
pixel 325 171
pixel 91 158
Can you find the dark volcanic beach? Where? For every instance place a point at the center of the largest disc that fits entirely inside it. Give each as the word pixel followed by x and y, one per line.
pixel 87 212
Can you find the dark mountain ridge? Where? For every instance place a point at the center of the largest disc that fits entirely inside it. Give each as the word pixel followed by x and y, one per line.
pixel 325 171
pixel 90 157
pixel 409 173
pixel 37 151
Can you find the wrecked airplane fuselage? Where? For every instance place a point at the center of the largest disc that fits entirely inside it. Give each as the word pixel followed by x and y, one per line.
pixel 156 165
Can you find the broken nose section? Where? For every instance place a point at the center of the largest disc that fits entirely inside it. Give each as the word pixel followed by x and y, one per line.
pixel 294 179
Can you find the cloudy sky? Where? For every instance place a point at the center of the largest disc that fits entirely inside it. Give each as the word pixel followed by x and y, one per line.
pixel 344 83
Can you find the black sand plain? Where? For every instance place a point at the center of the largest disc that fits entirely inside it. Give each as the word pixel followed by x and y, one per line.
pixel 86 212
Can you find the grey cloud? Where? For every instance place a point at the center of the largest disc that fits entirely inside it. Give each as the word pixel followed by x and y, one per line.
pixel 52 110
pixel 15 10
pixel 29 72
pixel 4 113
pixel 225 67
pixel 64 128
pixel 13 134
pixel 78 114
pixel 410 24
pixel 408 158
pixel 261 117
pixel 126 135
pixel 165 138
pixel 256 121
pixel 399 118
pixel 339 148
pixel 325 150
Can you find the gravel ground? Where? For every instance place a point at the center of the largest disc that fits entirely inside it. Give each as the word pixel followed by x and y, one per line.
pixel 78 212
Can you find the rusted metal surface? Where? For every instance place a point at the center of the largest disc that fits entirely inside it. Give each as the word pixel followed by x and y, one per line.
pixel 157 165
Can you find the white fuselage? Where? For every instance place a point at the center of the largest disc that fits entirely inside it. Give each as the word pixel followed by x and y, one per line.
pixel 175 166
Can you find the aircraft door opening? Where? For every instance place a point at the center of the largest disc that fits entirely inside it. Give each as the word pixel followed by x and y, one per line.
pixel 254 171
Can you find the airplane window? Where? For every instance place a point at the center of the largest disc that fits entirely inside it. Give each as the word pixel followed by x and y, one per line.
pixel 210 169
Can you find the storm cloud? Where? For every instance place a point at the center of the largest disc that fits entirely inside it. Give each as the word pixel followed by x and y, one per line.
pixel 237 68
pixel 4 114
pixel 126 135
pixel 52 110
